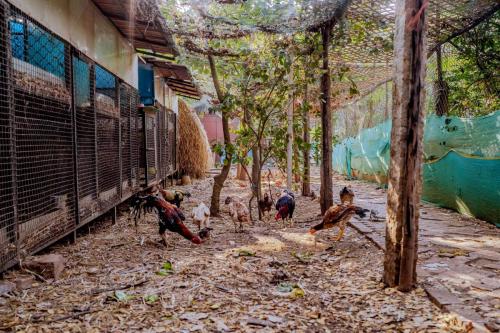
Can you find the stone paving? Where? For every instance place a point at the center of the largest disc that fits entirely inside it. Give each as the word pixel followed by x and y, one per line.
pixel 459 256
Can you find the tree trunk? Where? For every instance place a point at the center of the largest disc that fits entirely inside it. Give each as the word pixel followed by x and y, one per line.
pixel 371 111
pixel 326 124
pixel 240 173
pixel 405 174
pixel 440 87
pixel 289 138
pixel 255 183
pixel 220 178
pixel 386 109
pixel 306 181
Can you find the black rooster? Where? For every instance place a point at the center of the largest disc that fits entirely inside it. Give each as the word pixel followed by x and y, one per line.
pixel 285 206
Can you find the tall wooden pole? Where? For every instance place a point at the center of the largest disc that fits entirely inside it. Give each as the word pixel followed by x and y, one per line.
pixel 306 181
pixel 326 123
pixel 289 135
pixel 405 174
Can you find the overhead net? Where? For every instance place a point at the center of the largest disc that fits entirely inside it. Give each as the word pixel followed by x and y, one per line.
pixel 363 36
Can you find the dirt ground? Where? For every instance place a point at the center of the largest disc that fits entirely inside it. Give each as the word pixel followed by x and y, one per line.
pixel 266 279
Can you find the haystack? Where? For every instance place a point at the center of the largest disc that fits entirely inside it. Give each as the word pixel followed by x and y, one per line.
pixel 195 155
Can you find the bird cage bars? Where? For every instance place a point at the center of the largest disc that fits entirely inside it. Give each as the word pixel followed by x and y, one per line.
pixel 172 142
pixel 108 138
pixel 41 110
pixel 158 143
pixel 69 148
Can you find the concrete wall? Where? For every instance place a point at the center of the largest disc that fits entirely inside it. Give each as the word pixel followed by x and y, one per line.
pixel 164 94
pixel 82 24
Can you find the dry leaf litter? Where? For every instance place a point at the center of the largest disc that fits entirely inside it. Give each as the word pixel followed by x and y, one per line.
pixel 266 279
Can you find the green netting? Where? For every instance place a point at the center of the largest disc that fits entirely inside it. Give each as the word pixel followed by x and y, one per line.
pixel 461 168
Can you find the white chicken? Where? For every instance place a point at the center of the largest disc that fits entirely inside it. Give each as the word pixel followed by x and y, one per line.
pixel 201 216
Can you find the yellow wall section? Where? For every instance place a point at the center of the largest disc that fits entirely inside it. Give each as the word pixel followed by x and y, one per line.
pixel 82 24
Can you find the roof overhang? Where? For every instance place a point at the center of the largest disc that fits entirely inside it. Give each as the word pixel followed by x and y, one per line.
pixel 177 77
pixel 141 22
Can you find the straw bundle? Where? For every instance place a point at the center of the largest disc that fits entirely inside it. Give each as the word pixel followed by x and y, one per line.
pixel 195 155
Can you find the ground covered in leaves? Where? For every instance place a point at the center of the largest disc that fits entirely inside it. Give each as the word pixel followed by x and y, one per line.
pixel 267 278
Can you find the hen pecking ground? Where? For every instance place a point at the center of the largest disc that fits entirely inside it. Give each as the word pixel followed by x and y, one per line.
pixel 265 279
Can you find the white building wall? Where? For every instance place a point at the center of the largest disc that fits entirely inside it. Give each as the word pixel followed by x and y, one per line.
pixel 82 24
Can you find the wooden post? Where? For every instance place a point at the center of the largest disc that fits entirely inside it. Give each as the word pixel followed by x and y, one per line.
pixel 326 123
pixel 114 215
pixel 440 87
pixel 306 181
pixel 405 174
pixel 289 135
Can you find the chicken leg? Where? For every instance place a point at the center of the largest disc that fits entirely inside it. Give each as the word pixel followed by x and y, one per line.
pixel 164 238
pixel 341 232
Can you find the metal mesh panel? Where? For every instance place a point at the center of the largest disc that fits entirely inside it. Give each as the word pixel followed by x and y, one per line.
pixel 83 87
pixel 108 137
pixel 7 217
pixel 134 138
pixel 171 142
pixel 43 132
pixel 151 151
pixel 174 139
pixel 162 142
pixel 126 148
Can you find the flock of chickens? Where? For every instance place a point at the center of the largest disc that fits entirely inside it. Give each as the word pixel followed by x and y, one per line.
pixel 167 204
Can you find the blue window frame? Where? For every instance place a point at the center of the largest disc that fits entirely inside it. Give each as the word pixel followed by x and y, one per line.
pixel 36 46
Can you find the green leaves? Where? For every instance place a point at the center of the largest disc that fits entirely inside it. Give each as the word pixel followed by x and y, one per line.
pixel 166 269
pixel 293 290
pixel 150 299
pixel 121 296
pixel 245 253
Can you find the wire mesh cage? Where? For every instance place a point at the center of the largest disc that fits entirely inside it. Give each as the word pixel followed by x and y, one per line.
pixel 128 134
pixel 8 248
pixel 162 142
pixel 151 143
pixel 69 138
pixel 134 138
pixel 83 89
pixel 41 78
pixel 39 59
pixel 171 142
pixel 108 137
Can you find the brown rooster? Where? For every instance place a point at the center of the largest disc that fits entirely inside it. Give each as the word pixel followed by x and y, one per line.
pixel 346 195
pixel 338 215
pixel 170 217
pixel 266 204
pixel 174 196
pixel 238 211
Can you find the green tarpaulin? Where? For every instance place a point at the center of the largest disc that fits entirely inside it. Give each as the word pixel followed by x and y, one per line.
pixel 461 168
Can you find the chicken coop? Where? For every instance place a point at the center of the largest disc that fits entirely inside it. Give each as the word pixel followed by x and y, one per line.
pixel 158 137
pixel 69 138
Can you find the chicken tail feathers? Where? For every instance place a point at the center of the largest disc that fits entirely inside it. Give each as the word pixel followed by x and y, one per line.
pixel 361 212
pixel 187 234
